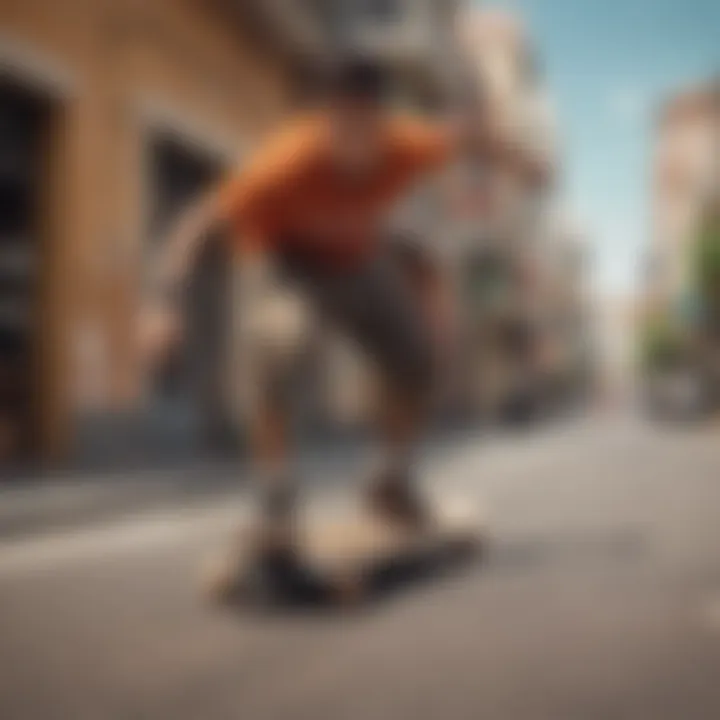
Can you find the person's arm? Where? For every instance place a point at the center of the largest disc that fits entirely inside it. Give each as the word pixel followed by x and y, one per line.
pixel 246 205
pixel 536 170
pixel 470 135
pixel 160 316
pixel 182 246
pixel 431 146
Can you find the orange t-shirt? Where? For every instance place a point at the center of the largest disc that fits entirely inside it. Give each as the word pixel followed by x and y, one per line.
pixel 292 196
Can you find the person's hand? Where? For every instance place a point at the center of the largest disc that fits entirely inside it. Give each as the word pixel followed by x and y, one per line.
pixel 159 333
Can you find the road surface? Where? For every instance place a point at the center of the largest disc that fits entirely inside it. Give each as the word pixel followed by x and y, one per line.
pixel 600 599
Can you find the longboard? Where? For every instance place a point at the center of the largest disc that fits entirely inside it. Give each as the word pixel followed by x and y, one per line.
pixel 346 558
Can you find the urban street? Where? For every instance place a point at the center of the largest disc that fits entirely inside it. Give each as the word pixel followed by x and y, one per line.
pixel 241 239
pixel 598 597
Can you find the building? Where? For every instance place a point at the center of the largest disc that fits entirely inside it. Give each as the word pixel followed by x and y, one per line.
pixel 111 115
pixel 677 321
pixel 615 319
pixel 502 221
pixel 684 173
pixel 565 308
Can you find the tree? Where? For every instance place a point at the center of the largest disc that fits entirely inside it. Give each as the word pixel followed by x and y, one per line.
pixel 663 346
pixel 706 263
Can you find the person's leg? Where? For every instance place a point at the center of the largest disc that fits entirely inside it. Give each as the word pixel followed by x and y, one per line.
pixel 276 365
pixel 269 435
pixel 408 369
pixel 401 419
pixel 280 566
pixel 376 306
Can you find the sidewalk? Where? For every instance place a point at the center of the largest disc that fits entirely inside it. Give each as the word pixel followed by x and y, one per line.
pixel 58 501
pixel 37 504
pixel 63 500
pixel 53 501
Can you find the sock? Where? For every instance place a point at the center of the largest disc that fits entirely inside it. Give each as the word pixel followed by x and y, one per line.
pixel 278 494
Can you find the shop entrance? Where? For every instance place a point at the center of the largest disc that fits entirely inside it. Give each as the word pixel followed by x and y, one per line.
pixel 25 123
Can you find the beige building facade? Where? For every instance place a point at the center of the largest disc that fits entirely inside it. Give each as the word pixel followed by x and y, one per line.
pixel 115 112
pixel 684 171
pixel 506 222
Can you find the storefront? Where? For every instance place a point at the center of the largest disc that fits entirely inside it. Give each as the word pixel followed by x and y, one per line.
pixel 112 115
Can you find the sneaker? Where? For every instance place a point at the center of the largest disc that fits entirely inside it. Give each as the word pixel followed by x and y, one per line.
pixel 394 497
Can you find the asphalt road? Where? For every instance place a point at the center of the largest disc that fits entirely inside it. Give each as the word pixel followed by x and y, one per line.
pixel 599 599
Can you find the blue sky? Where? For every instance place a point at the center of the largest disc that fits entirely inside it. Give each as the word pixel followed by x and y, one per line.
pixel 608 65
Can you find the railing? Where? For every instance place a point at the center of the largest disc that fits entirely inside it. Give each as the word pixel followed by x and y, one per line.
pixel 298 26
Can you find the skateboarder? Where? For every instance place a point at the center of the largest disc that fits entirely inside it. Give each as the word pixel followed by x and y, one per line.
pixel 313 201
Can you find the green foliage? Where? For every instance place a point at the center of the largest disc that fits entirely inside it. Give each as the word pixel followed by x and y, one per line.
pixel 663 346
pixel 706 262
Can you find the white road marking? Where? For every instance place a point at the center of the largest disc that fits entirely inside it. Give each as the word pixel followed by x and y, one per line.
pixel 138 534
pixel 150 531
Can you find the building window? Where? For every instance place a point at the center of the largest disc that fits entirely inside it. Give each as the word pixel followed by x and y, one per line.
pixel 25 127
pixel 383 11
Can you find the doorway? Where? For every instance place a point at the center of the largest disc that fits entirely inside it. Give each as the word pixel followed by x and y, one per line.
pixel 25 130
pixel 189 397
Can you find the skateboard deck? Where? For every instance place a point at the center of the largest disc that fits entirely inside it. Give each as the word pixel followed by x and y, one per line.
pixel 346 558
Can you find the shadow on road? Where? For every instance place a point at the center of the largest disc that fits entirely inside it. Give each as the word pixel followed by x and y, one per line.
pixel 308 593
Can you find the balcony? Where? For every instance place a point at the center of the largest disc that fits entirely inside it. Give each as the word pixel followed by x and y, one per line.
pixel 416 37
pixel 297 27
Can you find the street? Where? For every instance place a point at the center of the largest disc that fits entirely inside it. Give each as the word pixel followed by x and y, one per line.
pixel 599 598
